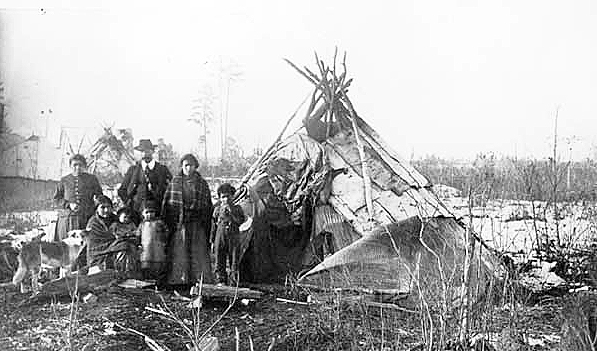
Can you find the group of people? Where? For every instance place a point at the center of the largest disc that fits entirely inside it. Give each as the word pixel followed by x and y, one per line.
pixel 165 228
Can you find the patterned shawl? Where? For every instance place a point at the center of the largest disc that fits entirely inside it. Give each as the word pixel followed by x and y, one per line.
pixel 98 238
pixel 200 203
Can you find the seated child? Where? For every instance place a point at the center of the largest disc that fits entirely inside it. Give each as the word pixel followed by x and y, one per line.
pixel 124 227
pixel 227 217
pixel 153 234
pixel 125 246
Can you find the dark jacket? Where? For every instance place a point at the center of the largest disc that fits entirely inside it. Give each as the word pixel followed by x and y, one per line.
pixel 226 220
pixel 134 188
pixel 80 190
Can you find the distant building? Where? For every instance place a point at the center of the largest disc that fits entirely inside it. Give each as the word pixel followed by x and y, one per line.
pixel 32 158
pixel 36 157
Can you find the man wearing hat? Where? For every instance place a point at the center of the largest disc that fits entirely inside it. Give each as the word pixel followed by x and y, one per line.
pixel 145 180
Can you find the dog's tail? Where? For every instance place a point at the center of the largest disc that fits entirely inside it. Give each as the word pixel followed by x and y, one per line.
pixel 21 272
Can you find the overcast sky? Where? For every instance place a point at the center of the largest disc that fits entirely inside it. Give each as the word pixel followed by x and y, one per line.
pixel 451 78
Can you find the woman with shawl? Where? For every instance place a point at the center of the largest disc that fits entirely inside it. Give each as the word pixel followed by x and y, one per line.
pixel 99 236
pixel 187 210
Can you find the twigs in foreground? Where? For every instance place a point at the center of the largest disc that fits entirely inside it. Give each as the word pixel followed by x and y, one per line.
pixel 151 343
pixel 193 335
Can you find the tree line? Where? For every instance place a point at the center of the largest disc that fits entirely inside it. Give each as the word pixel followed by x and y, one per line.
pixel 496 177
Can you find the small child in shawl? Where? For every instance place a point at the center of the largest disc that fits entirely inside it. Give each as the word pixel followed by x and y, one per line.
pixel 227 218
pixel 153 235
pixel 126 258
pixel 124 226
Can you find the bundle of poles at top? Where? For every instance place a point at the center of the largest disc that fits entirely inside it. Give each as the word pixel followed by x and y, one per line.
pixel 108 141
pixel 329 87
pixel 331 90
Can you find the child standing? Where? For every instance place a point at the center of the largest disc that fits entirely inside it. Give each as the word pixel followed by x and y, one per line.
pixel 227 217
pixel 153 235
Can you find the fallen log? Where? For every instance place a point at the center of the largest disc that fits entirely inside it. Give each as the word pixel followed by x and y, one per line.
pixel 308 288
pixel 356 301
pixel 366 291
pixel 77 283
pixel 279 299
pixel 222 291
pixel 268 288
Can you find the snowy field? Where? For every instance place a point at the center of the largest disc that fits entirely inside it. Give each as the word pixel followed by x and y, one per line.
pixel 512 226
pixel 29 222
pixel 505 225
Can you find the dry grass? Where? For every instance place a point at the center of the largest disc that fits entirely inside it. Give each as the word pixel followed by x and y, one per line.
pixel 579 331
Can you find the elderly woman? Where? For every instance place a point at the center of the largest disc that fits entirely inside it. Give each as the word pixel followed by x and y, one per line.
pixel 75 197
pixel 187 211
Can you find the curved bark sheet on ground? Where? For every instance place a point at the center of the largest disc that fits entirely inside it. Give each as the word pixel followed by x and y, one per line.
pixel 394 241
pixel 401 256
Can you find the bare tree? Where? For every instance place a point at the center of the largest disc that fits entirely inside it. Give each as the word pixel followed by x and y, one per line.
pixel 202 113
pixel 556 176
pixel 4 130
pixel 228 73
pixel 3 126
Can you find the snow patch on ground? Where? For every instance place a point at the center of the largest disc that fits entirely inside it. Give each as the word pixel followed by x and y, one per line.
pixel 510 226
pixel 27 221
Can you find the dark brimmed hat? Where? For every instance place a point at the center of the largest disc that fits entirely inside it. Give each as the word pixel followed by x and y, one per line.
pixel 145 144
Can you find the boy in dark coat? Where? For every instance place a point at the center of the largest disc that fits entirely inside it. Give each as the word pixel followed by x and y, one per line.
pixel 227 218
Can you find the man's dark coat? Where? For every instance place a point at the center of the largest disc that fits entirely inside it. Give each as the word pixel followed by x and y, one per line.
pixel 134 188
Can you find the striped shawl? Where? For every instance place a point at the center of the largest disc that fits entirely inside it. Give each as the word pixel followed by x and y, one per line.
pixel 198 207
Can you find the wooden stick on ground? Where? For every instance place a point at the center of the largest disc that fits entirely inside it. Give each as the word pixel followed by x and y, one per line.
pixel 368 291
pixel 360 301
pixel 279 299
pixel 211 291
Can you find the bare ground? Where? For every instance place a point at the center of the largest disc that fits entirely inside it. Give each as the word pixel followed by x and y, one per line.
pixel 328 326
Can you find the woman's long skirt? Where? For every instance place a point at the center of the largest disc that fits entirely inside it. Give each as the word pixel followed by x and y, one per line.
pixel 66 222
pixel 188 251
